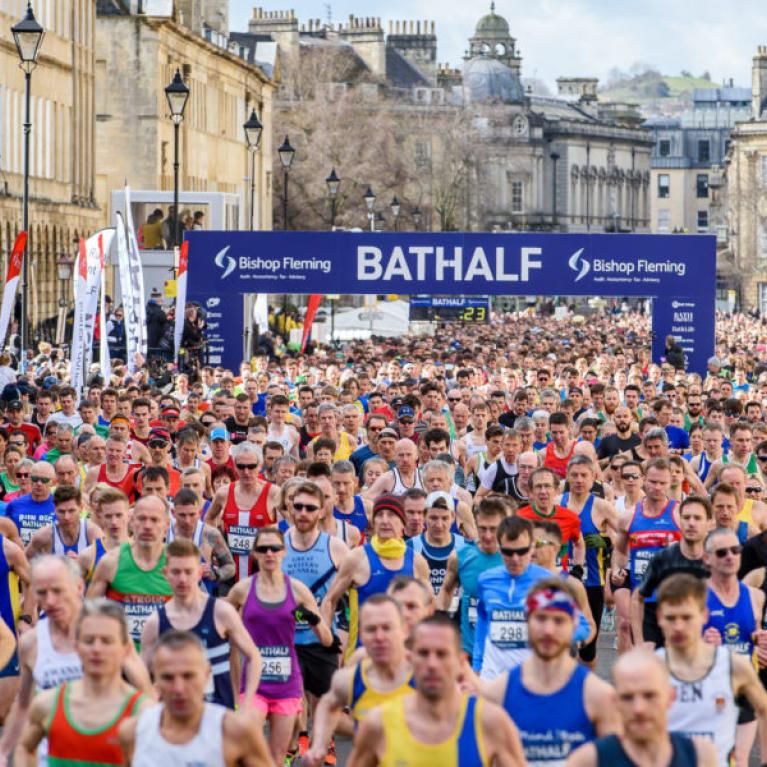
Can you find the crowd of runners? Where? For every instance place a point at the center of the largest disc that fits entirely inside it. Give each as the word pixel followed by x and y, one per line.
pixel 408 544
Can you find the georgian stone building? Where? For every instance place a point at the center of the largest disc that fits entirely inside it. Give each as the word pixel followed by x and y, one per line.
pixel 476 149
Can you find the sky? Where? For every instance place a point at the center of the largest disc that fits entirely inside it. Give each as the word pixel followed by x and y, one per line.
pixel 583 38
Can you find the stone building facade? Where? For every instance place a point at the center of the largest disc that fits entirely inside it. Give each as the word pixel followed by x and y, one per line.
pixel 478 150
pixel 63 202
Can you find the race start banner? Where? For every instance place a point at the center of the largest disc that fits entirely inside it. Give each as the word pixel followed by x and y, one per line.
pixel 678 272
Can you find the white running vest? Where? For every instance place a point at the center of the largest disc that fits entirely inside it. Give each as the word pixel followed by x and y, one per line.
pixel 706 708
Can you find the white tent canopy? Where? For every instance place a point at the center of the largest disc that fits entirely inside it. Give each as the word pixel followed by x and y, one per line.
pixel 387 318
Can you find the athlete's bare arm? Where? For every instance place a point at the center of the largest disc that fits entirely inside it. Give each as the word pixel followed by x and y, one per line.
pixel 149 636
pixel 10 531
pixel 91 479
pixel 327 716
pixel 20 708
pixel 221 555
pixel 636 615
pixel 230 625
pixel 369 743
pixel 104 574
pixel 585 756
pixel 239 593
pixel 601 704
pixel 465 520
pixel 501 737
pixel 244 742
pixel 7 644
pixel 87 558
pixel 306 599
pixel 40 543
pixel 35 729
pixel 583 605
pixel 383 484
pixel 273 501
pixel 348 574
pixel 746 682
pixel 421 570
pixel 18 562
pixel 450 584
pixel 213 515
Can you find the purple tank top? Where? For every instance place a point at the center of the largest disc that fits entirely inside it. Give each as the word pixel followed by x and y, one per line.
pixel 272 627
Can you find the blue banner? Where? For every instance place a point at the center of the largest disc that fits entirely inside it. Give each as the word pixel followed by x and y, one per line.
pixel 667 268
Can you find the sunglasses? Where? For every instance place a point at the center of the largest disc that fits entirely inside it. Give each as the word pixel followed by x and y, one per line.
pixel 723 552
pixel 305 507
pixel 42 480
pixel 507 551
pixel 761 458
pixel 629 476
pixel 540 543
pixel 454 399
pixel 246 466
pixel 20 475
pixel 268 547
pixel 406 421
pixel 753 490
pixel 157 443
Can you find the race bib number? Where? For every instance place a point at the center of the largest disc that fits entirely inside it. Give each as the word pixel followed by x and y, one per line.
pixel 508 629
pixel 455 604
pixel 241 539
pixel 641 562
pixel 29 524
pixel 471 611
pixel 276 665
pixel 136 615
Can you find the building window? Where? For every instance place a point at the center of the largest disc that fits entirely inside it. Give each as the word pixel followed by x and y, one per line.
pixel 422 154
pixel 517 201
pixel 701 185
pixel 702 221
pixel 664 185
pixel 664 219
pixel 704 151
pixel 664 147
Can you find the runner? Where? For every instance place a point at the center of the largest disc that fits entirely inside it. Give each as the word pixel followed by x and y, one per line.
pixel 551 680
pixel 438 725
pixel 370 568
pixel 113 513
pixel 32 512
pixel 686 556
pixel 464 567
pixel 213 621
pixel 645 695
pixel 81 718
pixel 184 729
pixel 243 507
pixel 69 533
pixel 753 512
pixel 707 679
pixel 402 476
pixel 268 602
pixel 115 472
pixel 383 675
pixel 349 507
pixel 133 573
pixel 498 476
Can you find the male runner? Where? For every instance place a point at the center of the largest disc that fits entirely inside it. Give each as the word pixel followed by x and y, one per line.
pixel 754 512
pixel 33 511
pixel 707 679
pixel 244 506
pixel 349 507
pixel 383 675
pixel 115 471
pixel 557 454
pixel 402 476
pixel 113 513
pixel 185 729
pixel 645 695
pixel 81 718
pixel 438 725
pixel 686 556
pixel 133 574
pixel 370 568
pixel 557 704
pixel 69 533
pixel 213 621
pixel 499 476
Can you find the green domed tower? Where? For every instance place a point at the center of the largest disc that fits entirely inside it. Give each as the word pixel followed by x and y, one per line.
pixel 493 39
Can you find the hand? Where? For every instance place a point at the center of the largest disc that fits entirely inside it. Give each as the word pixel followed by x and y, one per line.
pixel 207 573
pixel 712 636
pixel 577 572
pixel 314 757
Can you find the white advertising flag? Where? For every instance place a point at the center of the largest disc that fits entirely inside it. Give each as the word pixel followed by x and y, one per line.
pixel 136 275
pixel 11 283
pixel 183 264
pixel 77 357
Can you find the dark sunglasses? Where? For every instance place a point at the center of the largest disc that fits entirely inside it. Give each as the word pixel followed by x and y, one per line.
pixel 723 552
pixel 507 551
pixel 630 476
pixel 157 443
pixel 753 490
pixel 406 421
pixel 42 480
pixel 246 466
pixel 762 458
pixel 20 475
pixel 454 399
pixel 268 547
pixel 305 507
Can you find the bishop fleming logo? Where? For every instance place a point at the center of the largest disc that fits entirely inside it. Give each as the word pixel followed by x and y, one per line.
pixel 579 264
pixel 227 263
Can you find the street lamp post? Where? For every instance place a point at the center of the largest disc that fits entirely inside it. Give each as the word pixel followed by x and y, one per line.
pixel 554 223
pixel 333 183
pixel 417 215
pixel 395 209
pixel 177 94
pixel 370 201
pixel 253 130
pixel 64 272
pixel 286 153
pixel 28 36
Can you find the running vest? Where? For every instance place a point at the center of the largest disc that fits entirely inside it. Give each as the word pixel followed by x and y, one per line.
pixel 472 562
pixel 357 516
pixel 140 592
pixel 736 624
pixel 400 487
pixel 127 484
pixel 473 481
pixel 436 557
pixel 552 725
pixel 82 543
pixel 704 465
pixel 219 688
pixel 94 748
pixel 377 583
pixel 363 698
pixel 596 548
pixel 706 707
pixel 315 568
pixel 646 537
pixel 503 480
pixel 610 752
pixel 271 625
pixel 52 667
pixel 205 748
pixel 9 606
pixel 463 748
pixel 552 461
pixel 746 512
pixel 241 527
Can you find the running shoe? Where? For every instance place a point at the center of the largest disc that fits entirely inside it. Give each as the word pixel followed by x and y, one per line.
pixel 303 743
pixel 330 757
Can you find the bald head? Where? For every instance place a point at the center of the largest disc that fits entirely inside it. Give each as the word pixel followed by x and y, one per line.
pixel 528 460
pixel 406 446
pixel 640 661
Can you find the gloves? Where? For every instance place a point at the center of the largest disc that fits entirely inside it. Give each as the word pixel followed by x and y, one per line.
pixel 577 572
pixel 302 614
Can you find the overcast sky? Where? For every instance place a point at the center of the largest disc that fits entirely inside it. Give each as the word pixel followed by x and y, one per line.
pixel 578 37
